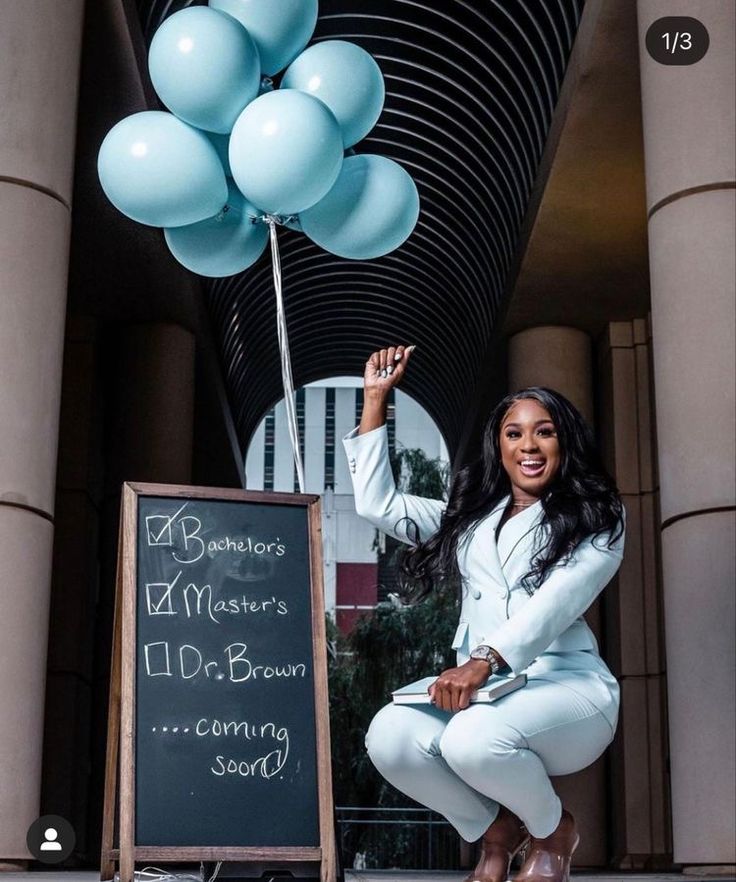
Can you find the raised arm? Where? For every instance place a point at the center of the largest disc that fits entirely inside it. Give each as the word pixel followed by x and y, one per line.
pixel 401 515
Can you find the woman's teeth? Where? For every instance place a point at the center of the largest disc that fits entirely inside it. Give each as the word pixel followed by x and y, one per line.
pixel 531 467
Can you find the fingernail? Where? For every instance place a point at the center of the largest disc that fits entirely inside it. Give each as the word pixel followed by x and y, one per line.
pixel 397 356
pixel 383 372
pixel 412 347
pixel 390 369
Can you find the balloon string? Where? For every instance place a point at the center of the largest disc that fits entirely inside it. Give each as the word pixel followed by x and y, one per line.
pixel 286 376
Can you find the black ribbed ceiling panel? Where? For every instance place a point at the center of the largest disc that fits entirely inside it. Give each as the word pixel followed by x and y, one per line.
pixel 470 91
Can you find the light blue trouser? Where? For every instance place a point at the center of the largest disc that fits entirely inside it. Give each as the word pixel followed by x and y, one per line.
pixel 463 765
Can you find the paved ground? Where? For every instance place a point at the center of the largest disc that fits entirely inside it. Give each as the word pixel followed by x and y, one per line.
pixel 711 875
pixel 423 876
pixel 393 876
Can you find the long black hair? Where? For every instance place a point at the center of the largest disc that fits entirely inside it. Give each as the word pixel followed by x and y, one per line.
pixel 582 499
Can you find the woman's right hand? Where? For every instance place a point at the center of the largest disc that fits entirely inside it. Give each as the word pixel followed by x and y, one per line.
pixel 385 369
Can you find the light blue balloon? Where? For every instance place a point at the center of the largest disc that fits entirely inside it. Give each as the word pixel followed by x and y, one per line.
pixel 158 170
pixel 204 67
pixel 371 210
pixel 222 245
pixel 221 143
pixel 347 79
pixel 285 151
pixel 292 221
pixel 280 28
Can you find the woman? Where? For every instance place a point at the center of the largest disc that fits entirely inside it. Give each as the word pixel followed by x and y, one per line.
pixel 534 529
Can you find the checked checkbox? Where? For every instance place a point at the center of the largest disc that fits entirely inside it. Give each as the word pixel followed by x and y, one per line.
pixel 159 528
pixel 159 597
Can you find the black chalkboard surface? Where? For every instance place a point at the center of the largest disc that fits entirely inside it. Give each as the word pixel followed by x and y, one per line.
pixel 224 682
pixel 224 739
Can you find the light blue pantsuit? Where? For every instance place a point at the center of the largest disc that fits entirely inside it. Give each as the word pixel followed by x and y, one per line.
pixel 463 765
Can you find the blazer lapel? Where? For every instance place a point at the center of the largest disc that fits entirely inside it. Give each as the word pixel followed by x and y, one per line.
pixel 506 561
pixel 493 518
pixel 516 542
pixel 477 553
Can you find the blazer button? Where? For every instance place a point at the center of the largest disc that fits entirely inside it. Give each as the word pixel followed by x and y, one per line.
pixel 476 594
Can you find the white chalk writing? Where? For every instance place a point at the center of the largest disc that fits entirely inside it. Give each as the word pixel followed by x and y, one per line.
pixel 238 667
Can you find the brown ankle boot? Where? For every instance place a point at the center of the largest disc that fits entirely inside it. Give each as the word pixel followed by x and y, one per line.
pixel 548 859
pixel 502 840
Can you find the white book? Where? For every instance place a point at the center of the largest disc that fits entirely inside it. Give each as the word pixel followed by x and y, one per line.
pixel 492 689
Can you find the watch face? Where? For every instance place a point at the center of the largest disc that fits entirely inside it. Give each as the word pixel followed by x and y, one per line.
pixel 482 652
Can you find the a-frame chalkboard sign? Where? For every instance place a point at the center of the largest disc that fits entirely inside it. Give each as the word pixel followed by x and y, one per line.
pixel 218 717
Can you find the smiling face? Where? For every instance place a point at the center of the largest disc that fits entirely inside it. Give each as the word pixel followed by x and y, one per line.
pixel 530 451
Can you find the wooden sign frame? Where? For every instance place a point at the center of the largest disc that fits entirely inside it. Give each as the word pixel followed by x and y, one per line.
pixel 121 707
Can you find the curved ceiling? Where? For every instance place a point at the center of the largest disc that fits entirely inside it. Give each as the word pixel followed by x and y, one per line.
pixel 471 86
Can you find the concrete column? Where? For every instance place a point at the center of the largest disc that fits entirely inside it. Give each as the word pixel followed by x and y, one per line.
pixel 555 356
pixel 634 632
pixel 688 122
pixel 39 68
pixel 152 423
pixel 74 586
pixel 150 371
pixel 560 358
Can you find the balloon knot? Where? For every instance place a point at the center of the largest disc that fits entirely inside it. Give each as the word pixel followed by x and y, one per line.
pixel 280 220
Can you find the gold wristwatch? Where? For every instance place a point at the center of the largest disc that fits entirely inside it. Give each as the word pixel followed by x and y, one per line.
pixel 487 654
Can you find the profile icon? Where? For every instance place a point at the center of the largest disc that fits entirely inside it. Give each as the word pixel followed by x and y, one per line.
pixel 50 842
pixel 50 839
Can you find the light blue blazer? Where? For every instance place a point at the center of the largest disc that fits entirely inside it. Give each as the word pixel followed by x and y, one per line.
pixel 544 635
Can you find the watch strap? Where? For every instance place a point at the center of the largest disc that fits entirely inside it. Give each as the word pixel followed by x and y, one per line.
pixel 484 652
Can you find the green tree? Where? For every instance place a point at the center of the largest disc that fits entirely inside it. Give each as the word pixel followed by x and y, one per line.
pixel 415 473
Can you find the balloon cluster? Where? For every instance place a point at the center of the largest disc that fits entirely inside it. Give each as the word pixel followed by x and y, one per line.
pixel 234 151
